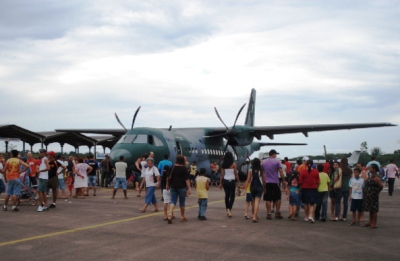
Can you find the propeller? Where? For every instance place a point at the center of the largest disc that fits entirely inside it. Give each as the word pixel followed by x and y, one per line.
pixel 119 121
pixel 230 133
pixel 134 116
pixel 133 120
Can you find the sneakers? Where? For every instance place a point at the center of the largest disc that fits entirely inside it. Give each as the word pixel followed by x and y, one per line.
pixel 312 220
pixel 202 218
pixel 4 208
pixel 52 205
pixel 15 209
pixel 40 209
pixel 45 208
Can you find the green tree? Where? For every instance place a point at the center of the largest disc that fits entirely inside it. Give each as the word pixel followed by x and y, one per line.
pixel 376 151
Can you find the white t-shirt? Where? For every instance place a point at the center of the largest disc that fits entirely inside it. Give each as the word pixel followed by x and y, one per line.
pixel 61 175
pixel 148 174
pixel 120 169
pixel 143 164
pixel 45 174
pixel 284 170
pixel 356 186
pixel 391 170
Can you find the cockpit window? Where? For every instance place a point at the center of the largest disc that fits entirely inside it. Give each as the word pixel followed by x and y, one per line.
pixel 133 139
pixel 156 141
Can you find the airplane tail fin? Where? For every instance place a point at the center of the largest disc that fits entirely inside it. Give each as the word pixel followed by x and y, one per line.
pixel 251 109
pixel 354 157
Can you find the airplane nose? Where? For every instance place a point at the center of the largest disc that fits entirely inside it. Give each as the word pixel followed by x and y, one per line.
pixel 115 154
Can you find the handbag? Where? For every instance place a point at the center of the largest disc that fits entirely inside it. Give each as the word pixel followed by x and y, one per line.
pixel 169 178
pixel 338 183
pixel 154 176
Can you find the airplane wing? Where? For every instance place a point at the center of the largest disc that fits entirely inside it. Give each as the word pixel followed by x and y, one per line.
pixel 114 132
pixel 270 131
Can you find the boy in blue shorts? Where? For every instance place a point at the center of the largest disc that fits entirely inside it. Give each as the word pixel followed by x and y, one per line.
pixel 356 191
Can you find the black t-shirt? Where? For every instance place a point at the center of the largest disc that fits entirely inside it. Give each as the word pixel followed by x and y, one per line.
pixel 93 164
pixel 53 169
pixel 179 175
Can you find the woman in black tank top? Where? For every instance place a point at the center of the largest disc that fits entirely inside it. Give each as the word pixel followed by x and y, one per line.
pixel 257 186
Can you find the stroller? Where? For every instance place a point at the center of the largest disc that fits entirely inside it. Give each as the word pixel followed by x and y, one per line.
pixel 27 193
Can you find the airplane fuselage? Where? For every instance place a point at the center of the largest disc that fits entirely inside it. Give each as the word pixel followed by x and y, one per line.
pixel 189 142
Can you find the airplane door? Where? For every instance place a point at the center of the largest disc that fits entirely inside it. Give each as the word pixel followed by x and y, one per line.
pixel 178 147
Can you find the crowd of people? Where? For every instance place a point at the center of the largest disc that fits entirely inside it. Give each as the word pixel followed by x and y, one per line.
pixel 305 184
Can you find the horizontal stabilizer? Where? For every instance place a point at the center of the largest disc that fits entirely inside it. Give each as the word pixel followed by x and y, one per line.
pixel 280 144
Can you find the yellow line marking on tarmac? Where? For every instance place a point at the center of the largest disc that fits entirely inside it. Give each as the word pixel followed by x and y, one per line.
pixel 93 226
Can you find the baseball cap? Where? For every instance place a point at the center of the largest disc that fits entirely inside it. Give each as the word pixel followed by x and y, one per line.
pixel 305 158
pixel 272 152
pixel 52 153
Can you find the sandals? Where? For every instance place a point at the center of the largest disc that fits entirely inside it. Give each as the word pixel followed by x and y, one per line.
pixel 169 220
pixel 184 219
pixel 352 223
pixel 255 220
pixel 269 216
pixel 365 225
pixel 246 216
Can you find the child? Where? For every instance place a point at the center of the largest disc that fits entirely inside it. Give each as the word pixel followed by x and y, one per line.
pixel 294 192
pixel 70 182
pixel 193 172
pixel 322 206
pixel 202 187
pixel 248 202
pixel 356 191
pixel 166 193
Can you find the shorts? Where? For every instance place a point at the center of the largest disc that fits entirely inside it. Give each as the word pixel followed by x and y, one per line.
pixel 256 192
pixel 13 187
pixel 42 185
pixel 61 184
pixel 248 197
pixel 120 181
pixel 33 181
pixel 332 194
pixel 53 183
pixel 92 180
pixel 310 196
pixel 166 196
pixel 356 205
pixel 273 192
pixel 294 198
pixel 2 186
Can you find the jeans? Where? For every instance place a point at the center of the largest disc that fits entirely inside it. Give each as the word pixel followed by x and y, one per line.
pixel 105 176
pixel 120 181
pixel 150 196
pixel 229 188
pixel 322 204
pixel 202 206
pixel 341 193
pixel 391 185
pixel 181 193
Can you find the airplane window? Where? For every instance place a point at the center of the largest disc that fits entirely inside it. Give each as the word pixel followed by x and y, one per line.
pixel 121 140
pixel 157 141
pixel 138 139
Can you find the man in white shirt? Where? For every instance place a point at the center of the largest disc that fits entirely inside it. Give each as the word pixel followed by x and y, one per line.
pixel 391 171
pixel 120 176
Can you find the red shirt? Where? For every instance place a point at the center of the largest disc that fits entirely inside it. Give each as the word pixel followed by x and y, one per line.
pixel 33 163
pixel 327 166
pixel 309 180
pixel 288 167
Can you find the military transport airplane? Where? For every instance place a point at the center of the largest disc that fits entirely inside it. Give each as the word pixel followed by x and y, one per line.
pixel 205 145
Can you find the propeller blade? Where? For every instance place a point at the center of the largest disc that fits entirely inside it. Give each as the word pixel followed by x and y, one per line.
pixel 219 117
pixel 116 116
pixel 134 116
pixel 226 146
pixel 237 116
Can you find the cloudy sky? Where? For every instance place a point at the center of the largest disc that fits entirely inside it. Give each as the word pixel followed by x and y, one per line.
pixel 72 64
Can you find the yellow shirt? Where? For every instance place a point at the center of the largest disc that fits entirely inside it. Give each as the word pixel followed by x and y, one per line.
pixel 201 182
pixel 13 169
pixel 324 180
pixel 193 169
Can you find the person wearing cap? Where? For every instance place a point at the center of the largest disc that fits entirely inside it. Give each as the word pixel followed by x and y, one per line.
pixel 269 168
pixel 304 165
pixel 52 182
pixel 43 177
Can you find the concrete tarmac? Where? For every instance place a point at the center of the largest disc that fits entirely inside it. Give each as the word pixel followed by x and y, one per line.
pixel 99 228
